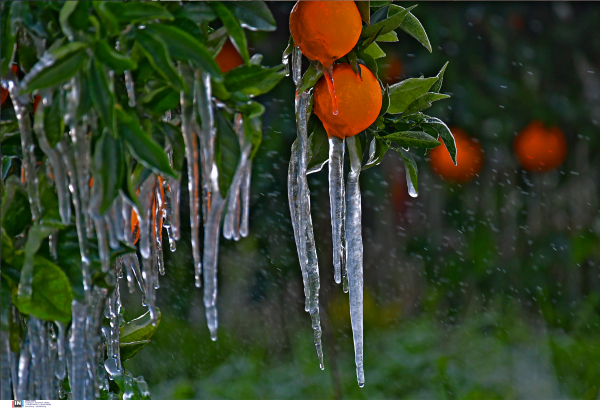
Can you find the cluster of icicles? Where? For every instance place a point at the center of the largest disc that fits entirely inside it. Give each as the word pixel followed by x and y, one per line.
pixel 92 353
pixel 345 206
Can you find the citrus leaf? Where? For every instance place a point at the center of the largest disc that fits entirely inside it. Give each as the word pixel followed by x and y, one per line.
pixel 406 92
pixel 253 79
pixel 440 79
pixel 111 58
pixel 253 127
pixel 51 120
pixel 234 29
pixel 435 126
pixel 387 25
pixel 410 167
pixel 128 350
pixel 175 138
pixel 388 37
pixel 51 293
pixel 138 11
pixel 310 78
pixel 374 51
pixel 185 47
pixel 385 104
pixel 424 102
pixel 57 68
pixel 157 53
pixel 227 152
pixel 7 45
pixel 100 94
pixel 197 11
pixel 109 161
pixel 36 234
pixel 16 213
pixel 140 328
pixel 160 100
pixel 412 26
pixel 73 13
pixel 109 21
pixel 377 149
pixel 413 138
pixel 364 10
pixel 318 149
pixel 254 16
pixel 141 146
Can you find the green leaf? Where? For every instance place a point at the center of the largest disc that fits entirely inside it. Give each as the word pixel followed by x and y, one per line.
pixel 111 58
pixel 410 167
pixel 50 119
pixel 413 138
pixel 35 236
pixel 368 61
pixel 412 26
pixel 16 213
pixel 253 79
pixel 406 92
pixel 377 149
pixel 175 138
pixel 140 328
pixel 424 102
pixel 387 25
pixel 374 51
pixel 385 104
pixel 440 79
pixel 310 78
pixel 234 29
pixel 109 163
pixel 289 49
pixel 141 146
pixel 388 37
pixel 160 100
pixel 227 152
pixel 183 46
pixel 436 127
pixel 128 350
pixel 69 260
pixel 102 98
pixel 138 11
pixel 64 63
pixel 364 10
pixel 7 45
pixel 318 149
pixel 73 16
pixel 51 293
pixel 254 16
pixel 253 127
pixel 198 11
pixel 109 20
pixel 157 53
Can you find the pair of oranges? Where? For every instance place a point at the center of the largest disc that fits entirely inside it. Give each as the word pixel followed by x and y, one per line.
pixel 538 149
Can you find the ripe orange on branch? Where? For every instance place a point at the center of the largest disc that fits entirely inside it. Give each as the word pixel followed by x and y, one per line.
pixel 539 148
pixel 469 158
pixel 229 57
pixel 358 101
pixel 325 30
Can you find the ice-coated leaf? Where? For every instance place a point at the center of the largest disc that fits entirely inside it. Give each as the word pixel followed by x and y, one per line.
pixel 140 328
pixel 390 23
pixel 440 79
pixel 175 138
pixel 16 215
pixel 374 51
pixel 406 92
pixel 310 78
pixel 234 29
pixel 377 150
pixel 388 37
pixel 141 146
pixel 66 62
pixel 424 102
pixel 413 138
pixel 109 162
pixel 51 119
pixel 412 26
pixel 364 10
pixel 254 16
pixel 253 79
pixel 436 127
pixel 128 350
pixel 157 53
pixel 227 151
pixel 185 47
pixel 410 167
pixel 318 149
pixel 111 58
pixel 100 94
pixel 385 104
pixel 160 100
pixel 138 11
pixel 51 293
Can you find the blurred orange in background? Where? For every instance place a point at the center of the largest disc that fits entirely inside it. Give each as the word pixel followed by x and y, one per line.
pixel 469 158
pixel 392 69
pixel 539 148
pixel 3 90
pixel 229 57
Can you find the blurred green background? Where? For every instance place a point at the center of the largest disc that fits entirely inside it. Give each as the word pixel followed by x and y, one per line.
pixel 489 289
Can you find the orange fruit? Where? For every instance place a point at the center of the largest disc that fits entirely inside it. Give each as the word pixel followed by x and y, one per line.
pixel 469 158
pixel 229 57
pixel 394 70
pixel 358 101
pixel 539 148
pixel 3 90
pixel 36 102
pixel 325 30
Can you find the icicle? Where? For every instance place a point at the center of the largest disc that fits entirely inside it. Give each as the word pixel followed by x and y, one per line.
pixel 174 226
pixel 132 265
pixel 211 253
pixel 337 203
pixel 126 221
pixel 93 332
pixel 20 103
pixel 5 388
pixel 35 348
pixel 116 212
pixel 110 228
pixel 412 191
pixel 203 98
pixel 191 155
pixel 60 368
pixel 146 198
pixel 77 343
pixel 82 165
pixel 328 72
pixel 24 364
pixel 296 65
pixel 354 256
pixel 101 228
pixel 52 245
pixel 157 218
pixel 130 86
pixel 301 107
pixel 245 193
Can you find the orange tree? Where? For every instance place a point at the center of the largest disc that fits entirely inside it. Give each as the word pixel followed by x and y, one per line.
pixel 130 91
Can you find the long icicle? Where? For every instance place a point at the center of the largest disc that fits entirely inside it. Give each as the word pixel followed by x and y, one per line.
pixel 191 155
pixel 245 198
pixel 145 216
pixel 78 368
pixel 204 107
pixel 337 204
pixel 354 255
